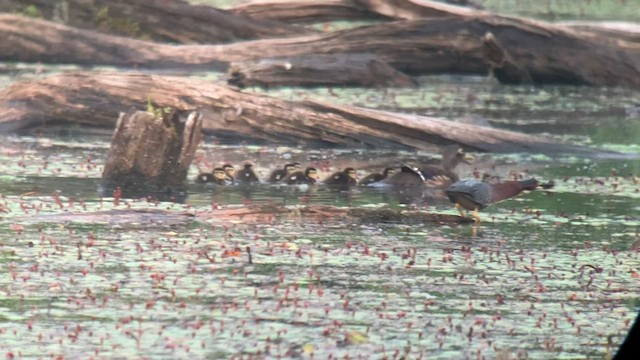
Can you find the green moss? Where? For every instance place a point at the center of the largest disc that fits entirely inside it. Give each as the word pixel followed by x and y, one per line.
pixel 31 11
pixel 119 25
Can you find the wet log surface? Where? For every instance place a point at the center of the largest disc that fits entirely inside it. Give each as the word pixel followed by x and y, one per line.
pixel 174 21
pixel 548 54
pixel 363 70
pixel 95 98
pixel 152 152
pixel 253 214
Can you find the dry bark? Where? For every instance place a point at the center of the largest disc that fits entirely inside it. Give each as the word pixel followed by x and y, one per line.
pixel 363 70
pixel 174 21
pixel 152 152
pixel 549 54
pixel 95 98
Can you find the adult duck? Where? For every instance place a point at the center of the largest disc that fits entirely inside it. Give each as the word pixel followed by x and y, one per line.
pixel 475 195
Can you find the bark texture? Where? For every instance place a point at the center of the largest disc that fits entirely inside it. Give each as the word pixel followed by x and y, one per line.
pixel 174 21
pixel 363 70
pixel 548 54
pixel 96 98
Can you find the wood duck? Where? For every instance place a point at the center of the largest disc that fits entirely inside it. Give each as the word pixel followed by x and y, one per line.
pixel 346 177
pixel 247 176
pixel 409 176
pixel 444 174
pixel 279 174
pixel 436 175
pixel 220 177
pixel 230 174
pixel 309 176
pixel 475 195
pixel 376 177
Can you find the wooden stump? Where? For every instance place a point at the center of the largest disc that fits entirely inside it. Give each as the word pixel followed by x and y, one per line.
pixel 151 151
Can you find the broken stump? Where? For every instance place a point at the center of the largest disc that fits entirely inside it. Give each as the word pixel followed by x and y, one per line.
pixel 151 151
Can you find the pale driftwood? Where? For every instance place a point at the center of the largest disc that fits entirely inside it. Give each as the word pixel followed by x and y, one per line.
pixel 363 70
pixel 152 152
pixel 92 97
pixel 548 53
pixel 175 21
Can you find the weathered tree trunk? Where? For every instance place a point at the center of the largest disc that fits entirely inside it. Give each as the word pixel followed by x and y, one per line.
pixel 96 97
pixel 314 70
pixel 550 54
pixel 152 152
pixel 174 21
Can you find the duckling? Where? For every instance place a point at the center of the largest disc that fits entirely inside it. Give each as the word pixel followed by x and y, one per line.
pixel 346 177
pixel 230 173
pixel 247 176
pixel 309 176
pixel 220 177
pixel 376 177
pixel 204 178
pixel 279 174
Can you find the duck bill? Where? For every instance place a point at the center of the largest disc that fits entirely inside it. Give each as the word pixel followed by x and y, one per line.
pixel 468 159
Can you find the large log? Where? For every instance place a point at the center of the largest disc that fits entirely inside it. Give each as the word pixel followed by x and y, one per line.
pixel 151 152
pixel 174 21
pixel 95 98
pixel 363 70
pixel 547 53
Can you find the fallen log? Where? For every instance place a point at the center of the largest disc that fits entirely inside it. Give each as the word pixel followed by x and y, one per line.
pixel 95 98
pixel 550 54
pixel 309 11
pixel 363 70
pixel 175 21
pixel 152 151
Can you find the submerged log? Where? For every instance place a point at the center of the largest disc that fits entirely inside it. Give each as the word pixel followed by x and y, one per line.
pixel 252 214
pixel 266 214
pixel 314 70
pixel 175 21
pixel 90 97
pixel 550 54
pixel 152 151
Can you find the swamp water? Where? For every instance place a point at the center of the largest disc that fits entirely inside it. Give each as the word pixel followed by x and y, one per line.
pixel 546 275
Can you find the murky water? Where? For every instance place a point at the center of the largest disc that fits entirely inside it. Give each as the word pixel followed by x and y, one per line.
pixel 547 275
